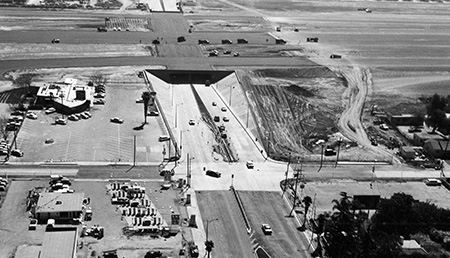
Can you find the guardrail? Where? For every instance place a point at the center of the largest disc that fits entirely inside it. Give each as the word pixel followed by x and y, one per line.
pixel 161 112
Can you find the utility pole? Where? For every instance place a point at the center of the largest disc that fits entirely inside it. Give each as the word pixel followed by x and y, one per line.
pixel 188 176
pixel 297 174
pixel 134 150
pixel 286 174
pixel 337 156
pixel 321 159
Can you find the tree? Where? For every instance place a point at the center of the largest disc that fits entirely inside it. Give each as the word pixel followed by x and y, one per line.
pixel 307 201
pixel 25 80
pixel 435 112
pixel 146 98
pixel 3 122
pixel 396 215
pixel 97 77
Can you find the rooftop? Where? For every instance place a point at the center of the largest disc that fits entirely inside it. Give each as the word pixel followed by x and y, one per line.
pixel 57 202
pixel 59 243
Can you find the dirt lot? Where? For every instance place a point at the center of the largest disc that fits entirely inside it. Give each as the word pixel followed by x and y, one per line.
pixel 14 222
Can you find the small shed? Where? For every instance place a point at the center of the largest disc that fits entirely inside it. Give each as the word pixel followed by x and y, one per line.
pixel 407 152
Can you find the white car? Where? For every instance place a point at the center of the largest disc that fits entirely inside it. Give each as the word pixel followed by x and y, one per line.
pixel 433 182
pixel 50 110
pixel 267 229
pixel 60 121
pixel 384 127
pixel 31 115
pixel 140 100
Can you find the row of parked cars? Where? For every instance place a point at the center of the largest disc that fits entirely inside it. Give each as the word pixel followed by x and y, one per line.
pixel 99 95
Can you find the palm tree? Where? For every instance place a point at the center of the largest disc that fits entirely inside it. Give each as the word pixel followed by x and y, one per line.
pixel 307 201
pixel 146 98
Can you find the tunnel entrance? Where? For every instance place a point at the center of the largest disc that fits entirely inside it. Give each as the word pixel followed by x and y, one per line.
pixel 189 76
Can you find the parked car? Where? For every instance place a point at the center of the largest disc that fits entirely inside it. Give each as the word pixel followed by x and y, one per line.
pixel 60 121
pixel 140 100
pixel 181 39
pixel 116 120
pixel 74 117
pixel 191 122
pixel 384 127
pixel 31 115
pixel 99 102
pixel 224 109
pixel 227 41
pixel 226 119
pixel 214 104
pixel 50 110
pixel 99 95
pixel 164 171
pixel 213 173
pixel 414 129
pixel 227 52
pixel 217 119
pixel 242 41
pixel 156 42
pixel 56 41
pixel 33 224
pixel 17 153
pixel 267 229
pixel 250 164
pixel 153 113
pixel 17 113
pixel 221 128
pixel 236 54
pixel 214 53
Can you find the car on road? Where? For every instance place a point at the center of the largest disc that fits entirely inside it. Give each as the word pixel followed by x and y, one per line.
pixel 102 29
pixel 31 115
pixel 227 52
pixel 433 182
pixel 236 54
pixel 250 165
pixel 156 42
pixel 221 128
pixel 153 113
pixel 384 127
pixel 214 104
pixel 50 110
pixel 214 53
pixel 226 119
pixel 242 41
pixel 116 120
pixel 191 122
pixel 224 109
pixel 17 153
pixel 141 100
pixel 164 138
pixel 181 39
pixel 203 41
pixel 213 173
pixel 56 41
pixel 227 41
pixel 267 229
pixel 217 119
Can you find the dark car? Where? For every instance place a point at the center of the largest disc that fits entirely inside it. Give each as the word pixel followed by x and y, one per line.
pixel 181 39
pixel 203 41
pixel 217 119
pixel 242 41
pixel 156 42
pixel 213 173
pixel 227 41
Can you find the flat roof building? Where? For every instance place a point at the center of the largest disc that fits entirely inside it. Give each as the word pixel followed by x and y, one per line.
pixel 59 206
pixel 59 242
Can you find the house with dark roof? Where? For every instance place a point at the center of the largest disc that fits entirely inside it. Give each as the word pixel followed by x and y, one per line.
pixel 437 148
pixel 59 206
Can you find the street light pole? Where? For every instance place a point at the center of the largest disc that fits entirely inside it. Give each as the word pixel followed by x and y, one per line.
pixel 207 230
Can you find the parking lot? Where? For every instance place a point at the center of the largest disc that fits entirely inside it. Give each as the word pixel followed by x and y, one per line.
pixel 14 221
pixel 95 139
